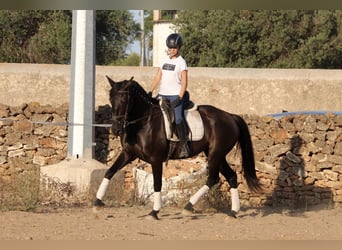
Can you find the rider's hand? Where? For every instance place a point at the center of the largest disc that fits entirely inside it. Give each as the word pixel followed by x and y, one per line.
pixel 176 102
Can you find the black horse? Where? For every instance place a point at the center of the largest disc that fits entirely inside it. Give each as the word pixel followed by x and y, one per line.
pixel 138 120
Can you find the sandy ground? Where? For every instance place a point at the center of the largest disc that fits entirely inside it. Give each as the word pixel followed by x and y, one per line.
pixel 131 223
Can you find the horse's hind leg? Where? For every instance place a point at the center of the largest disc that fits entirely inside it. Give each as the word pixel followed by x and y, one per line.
pixel 231 177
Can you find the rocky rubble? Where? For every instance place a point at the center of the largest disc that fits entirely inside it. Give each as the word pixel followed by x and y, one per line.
pixel 298 158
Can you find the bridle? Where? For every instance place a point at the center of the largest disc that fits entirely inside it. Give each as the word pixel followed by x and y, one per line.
pixel 118 118
pixel 122 120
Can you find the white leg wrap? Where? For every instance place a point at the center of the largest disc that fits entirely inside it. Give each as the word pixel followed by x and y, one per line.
pixel 102 189
pixel 199 194
pixel 157 201
pixel 235 199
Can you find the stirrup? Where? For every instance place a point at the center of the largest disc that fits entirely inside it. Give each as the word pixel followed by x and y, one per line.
pixel 184 151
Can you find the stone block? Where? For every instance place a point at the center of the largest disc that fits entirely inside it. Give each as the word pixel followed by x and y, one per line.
pixel 83 174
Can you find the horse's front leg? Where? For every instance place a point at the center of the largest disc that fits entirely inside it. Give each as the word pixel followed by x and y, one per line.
pixel 213 178
pixel 120 162
pixel 157 169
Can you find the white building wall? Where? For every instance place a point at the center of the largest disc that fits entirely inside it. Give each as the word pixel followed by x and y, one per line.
pixel 161 30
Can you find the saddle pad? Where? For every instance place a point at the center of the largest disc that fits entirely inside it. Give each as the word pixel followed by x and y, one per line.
pixel 194 121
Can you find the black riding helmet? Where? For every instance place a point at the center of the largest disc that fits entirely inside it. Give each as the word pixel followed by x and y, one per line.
pixel 174 40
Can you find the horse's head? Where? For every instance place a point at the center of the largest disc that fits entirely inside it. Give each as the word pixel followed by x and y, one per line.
pixel 130 103
pixel 120 101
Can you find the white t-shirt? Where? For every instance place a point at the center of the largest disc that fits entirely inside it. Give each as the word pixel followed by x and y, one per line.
pixel 171 80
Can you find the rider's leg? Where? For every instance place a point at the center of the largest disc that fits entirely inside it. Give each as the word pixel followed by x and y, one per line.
pixel 182 131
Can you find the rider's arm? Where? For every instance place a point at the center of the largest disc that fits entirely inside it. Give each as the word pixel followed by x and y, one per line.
pixel 184 83
pixel 156 80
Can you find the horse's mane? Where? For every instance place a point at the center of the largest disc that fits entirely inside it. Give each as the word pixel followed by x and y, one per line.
pixel 136 89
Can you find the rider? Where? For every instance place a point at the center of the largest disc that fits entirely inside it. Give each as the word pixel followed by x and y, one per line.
pixel 173 77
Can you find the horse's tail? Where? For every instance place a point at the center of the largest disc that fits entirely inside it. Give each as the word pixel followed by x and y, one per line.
pixel 248 163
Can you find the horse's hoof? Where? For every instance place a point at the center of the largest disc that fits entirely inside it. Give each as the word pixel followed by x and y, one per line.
pixel 153 215
pixel 233 214
pixel 188 209
pixel 97 206
pixel 98 203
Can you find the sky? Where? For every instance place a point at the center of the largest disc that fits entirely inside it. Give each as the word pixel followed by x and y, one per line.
pixel 135 47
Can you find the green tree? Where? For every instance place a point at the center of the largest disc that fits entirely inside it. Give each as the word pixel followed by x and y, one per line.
pixel 132 59
pixel 262 38
pixel 18 27
pixel 32 36
pixel 51 43
pixel 323 47
pixel 115 30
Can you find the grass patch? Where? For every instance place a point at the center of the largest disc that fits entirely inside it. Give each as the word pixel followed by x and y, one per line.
pixel 26 191
pixel 20 191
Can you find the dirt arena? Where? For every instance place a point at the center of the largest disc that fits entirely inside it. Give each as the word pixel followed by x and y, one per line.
pixel 131 223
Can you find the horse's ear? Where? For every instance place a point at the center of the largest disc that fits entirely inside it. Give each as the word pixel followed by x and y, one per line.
pixel 112 83
pixel 131 78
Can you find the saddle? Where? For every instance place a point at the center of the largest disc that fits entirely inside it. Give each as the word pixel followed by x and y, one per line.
pixel 192 118
pixel 193 121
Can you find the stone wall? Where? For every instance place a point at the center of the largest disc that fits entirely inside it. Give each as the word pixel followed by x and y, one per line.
pixel 298 158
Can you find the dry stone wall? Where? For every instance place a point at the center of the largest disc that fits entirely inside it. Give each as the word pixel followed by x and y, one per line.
pixel 298 158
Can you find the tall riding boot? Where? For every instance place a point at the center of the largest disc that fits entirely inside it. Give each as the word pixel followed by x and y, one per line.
pixel 182 135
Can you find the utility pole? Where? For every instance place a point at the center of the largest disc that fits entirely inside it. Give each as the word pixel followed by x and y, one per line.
pixel 80 168
pixel 82 85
